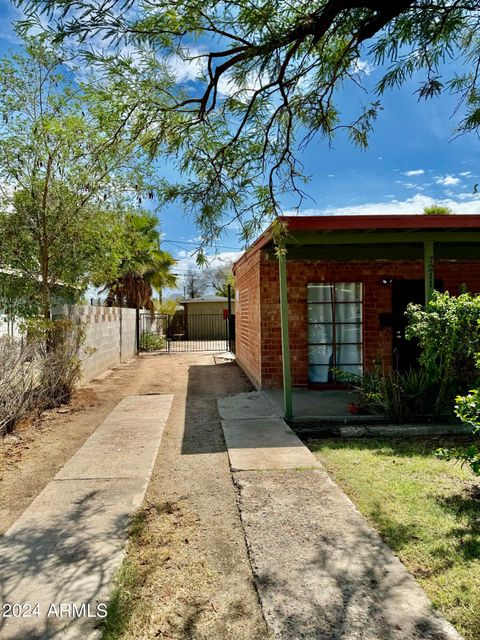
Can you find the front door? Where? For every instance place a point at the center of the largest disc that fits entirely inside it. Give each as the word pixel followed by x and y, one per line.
pixel 406 352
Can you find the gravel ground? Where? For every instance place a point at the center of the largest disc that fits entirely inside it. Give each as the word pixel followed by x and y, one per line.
pixel 196 579
pixel 199 582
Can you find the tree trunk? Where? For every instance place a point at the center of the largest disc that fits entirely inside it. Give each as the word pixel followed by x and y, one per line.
pixel 44 244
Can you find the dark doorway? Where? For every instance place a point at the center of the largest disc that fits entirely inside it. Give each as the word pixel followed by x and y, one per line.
pixel 406 352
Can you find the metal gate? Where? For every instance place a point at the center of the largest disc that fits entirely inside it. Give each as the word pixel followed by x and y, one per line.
pixel 183 332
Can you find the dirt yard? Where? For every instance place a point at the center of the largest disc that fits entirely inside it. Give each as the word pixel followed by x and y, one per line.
pixel 192 574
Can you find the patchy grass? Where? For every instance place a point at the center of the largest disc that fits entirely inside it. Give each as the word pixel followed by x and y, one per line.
pixel 128 580
pixel 426 509
pixel 158 580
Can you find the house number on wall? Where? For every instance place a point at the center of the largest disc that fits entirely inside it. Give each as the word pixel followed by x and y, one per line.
pixel 431 272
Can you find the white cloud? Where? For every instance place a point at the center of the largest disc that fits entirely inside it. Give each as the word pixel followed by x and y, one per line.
pixel 227 86
pixel 465 196
pixel 465 174
pixel 409 206
pixel 363 66
pixel 414 172
pixel 188 66
pixel 448 180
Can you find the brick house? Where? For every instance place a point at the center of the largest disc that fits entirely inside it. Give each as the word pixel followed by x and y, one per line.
pixel 335 297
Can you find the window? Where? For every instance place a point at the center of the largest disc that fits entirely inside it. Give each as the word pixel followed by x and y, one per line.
pixel 334 330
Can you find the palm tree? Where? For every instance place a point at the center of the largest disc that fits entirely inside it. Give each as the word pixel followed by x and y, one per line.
pixel 147 267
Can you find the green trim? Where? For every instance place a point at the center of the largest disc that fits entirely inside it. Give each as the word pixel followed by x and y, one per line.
pixel 429 270
pixel 287 381
pixel 347 253
pixel 304 238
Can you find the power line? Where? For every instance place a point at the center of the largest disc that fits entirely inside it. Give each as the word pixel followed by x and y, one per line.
pixel 196 244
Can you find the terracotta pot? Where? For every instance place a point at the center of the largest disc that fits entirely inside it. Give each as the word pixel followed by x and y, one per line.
pixel 354 408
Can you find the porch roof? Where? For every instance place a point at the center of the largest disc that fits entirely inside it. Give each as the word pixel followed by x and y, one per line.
pixel 371 236
pixel 373 229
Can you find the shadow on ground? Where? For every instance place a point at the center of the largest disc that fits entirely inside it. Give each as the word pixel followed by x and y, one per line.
pixel 406 447
pixel 69 552
pixel 322 572
pixel 206 383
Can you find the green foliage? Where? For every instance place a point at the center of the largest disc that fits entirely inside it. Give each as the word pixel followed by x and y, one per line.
pixel 468 410
pixel 267 79
pixel 168 307
pixel 465 455
pixel 368 388
pixel 448 331
pixel 437 210
pixel 66 178
pixel 408 395
pixel 400 396
pixel 145 266
pixel 152 342
pixel 449 334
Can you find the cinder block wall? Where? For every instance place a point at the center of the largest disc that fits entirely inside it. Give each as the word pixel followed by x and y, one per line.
pixel 110 335
pixel 259 346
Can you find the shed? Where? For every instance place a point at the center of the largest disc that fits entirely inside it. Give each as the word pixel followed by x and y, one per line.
pixel 206 305
pixel 206 317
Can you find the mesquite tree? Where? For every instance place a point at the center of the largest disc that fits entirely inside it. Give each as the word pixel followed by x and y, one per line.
pixel 236 89
pixel 66 176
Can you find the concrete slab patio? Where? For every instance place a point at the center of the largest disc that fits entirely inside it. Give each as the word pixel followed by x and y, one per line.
pixel 246 405
pixel 320 570
pixel 66 546
pixel 312 404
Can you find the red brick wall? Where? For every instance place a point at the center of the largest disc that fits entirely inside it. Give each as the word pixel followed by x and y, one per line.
pixel 247 317
pixel 258 325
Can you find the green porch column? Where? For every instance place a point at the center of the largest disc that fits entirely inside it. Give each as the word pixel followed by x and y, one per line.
pixel 287 380
pixel 429 266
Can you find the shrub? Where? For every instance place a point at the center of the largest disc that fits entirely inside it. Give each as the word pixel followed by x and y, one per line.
pixel 468 410
pixel 437 210
pixel 17 382
pixel 152 342
pixel 448 332
pixel 59 349
pixel 39 371
pixel 408 395
pixel 400 396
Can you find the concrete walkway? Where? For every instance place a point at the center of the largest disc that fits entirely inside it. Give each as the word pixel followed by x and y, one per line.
pixel 62 553
pixel 321 571
pixel 257 439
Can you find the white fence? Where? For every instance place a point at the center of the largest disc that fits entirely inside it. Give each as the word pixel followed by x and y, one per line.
pixel 8 326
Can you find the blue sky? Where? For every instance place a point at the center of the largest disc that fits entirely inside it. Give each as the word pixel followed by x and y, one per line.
pixel 412 161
